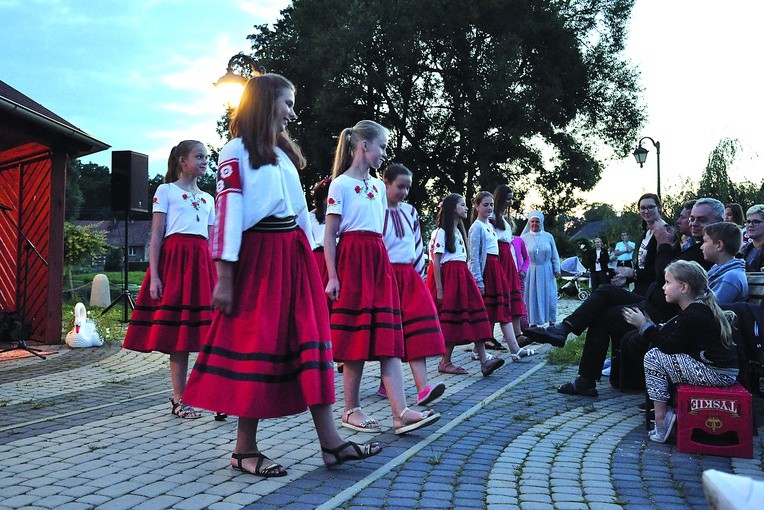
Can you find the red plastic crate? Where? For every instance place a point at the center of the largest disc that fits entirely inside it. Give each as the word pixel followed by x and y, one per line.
pixel 714 420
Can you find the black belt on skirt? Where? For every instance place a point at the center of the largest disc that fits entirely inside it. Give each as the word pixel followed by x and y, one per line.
pixel 274 224
pixel 624 263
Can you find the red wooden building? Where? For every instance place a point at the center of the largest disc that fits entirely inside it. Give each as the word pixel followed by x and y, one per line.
pixel 35 145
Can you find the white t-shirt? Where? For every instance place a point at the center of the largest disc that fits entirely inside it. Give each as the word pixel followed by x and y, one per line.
pixel 438 245
pixel 491 238
pixel 402 236
pixel 246 195
pixel 317 229
pixel 187 213
pixel 360 202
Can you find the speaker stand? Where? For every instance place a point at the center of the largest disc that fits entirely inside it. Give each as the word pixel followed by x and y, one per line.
pixel 125 298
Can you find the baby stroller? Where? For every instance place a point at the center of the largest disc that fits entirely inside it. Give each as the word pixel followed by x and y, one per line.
pixel 573 272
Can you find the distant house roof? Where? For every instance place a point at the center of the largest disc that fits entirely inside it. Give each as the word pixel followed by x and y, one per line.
pixel 590 230
pixel 138 232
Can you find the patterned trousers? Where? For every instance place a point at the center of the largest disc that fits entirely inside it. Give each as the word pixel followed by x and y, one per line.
pixel 662 369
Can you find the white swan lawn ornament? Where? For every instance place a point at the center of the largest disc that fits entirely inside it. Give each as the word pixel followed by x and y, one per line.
pixel 84 332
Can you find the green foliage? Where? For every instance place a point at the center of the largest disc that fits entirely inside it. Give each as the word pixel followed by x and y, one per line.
pixel 475 93
pixel 74 198
pixel 570 354
pixel 114 258
pixel 81 244
pixel 95 185
pixel 599 211
pixel 715 181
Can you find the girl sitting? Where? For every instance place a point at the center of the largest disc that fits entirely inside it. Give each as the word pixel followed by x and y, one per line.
pixel 694 347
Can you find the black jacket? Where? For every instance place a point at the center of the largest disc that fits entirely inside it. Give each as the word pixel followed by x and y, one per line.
pixel 694 331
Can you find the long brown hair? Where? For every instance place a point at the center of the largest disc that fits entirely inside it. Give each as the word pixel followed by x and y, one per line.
pixel 446 219
pixel 254 122
pixel 500 206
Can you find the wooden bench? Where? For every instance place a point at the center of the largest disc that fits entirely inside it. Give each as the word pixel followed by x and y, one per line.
pixel 755 287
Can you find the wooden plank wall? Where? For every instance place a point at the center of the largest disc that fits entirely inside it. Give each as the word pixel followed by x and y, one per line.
pixel 26 187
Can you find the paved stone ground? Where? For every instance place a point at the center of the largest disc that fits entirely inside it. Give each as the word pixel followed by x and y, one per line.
pixel 92 429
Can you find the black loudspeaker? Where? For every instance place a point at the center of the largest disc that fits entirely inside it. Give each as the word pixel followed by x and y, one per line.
pixel 129 181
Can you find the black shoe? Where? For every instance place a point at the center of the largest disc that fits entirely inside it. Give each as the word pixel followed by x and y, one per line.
pixel 576 387
pixel 554 335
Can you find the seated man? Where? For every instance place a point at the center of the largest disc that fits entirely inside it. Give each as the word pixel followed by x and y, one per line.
pixel 602 312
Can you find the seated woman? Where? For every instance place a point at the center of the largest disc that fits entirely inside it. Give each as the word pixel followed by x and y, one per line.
pixel 695 347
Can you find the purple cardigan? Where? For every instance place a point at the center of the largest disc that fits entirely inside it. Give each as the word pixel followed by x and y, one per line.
pixel 523 260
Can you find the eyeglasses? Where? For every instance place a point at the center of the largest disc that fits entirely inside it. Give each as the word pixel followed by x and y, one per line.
pixel 647 208
pixel 754 222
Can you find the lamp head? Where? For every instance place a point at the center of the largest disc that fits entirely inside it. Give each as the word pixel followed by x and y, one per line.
pixel 640 154
pixel 231 85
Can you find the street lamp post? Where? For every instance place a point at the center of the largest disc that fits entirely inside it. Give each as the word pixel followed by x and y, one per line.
pixel 640 154
pixel 232 84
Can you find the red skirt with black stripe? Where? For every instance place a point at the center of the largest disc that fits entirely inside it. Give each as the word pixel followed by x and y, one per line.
pixel 422 336
pixel 463 317
pixel 516 285
pixel 323 273
pixel 180 320
pixel 366 319
pixel 496 297
pixel 272 356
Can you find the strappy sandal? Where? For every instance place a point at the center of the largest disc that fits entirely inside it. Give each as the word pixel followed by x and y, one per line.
pixel 523 353
pixel 362 451
pixel 369 425
pixel 272 471
pixel 431 418
pixel 182 410
pixel 491 365
pixel 450 368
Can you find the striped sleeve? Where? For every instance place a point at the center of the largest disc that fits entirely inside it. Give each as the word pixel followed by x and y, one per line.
pixel 418 244
pixel 226 234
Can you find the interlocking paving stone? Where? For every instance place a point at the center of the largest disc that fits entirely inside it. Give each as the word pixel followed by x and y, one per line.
pixel 98 420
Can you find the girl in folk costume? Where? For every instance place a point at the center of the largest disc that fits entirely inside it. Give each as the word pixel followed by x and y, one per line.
pixel 318 224
pixel 463 317
pixel 500 303
pixel 265 357
pixel 365 315
pixel 694 347
pixel 403 239
pixel 513 256
pixel 174 307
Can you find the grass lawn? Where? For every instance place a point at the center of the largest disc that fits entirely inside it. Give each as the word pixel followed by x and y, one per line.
pixel 110 326
pixel 570 354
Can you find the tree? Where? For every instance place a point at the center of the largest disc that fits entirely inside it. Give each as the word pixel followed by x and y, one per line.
pixel 95 185
pixel 599 211
pixel 475 93
pixel 715 181
pixel 74 199
pixel 81 244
